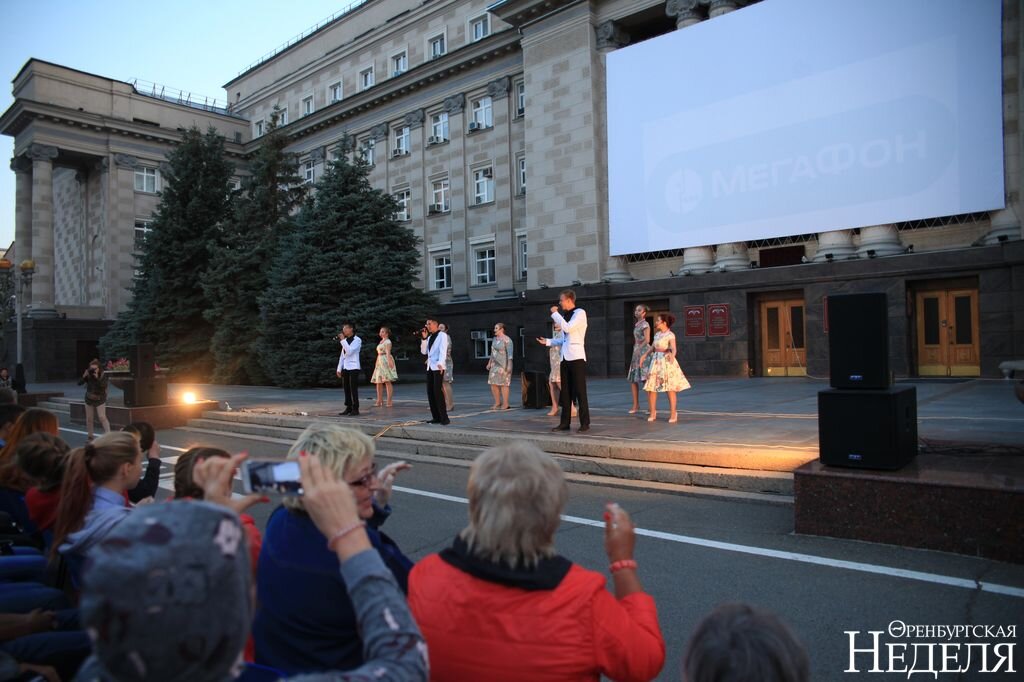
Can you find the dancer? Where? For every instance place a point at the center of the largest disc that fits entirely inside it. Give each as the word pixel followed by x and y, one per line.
pixel 574 360
pixel 348 369
pixel 384 371
pixel 449 373
pixel 637 374
pixel 555 377
pixel 435 347
pixel 500 367
pixel 664 375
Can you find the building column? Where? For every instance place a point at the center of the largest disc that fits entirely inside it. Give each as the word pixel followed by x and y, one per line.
pixel 22 167
pixel 610 36
pixel 697 260
pixel 717 8
pixel 685 12
pixel 838 244
pixel 42 230
pixel 881 240
pixel 1004 226
pixel 732 256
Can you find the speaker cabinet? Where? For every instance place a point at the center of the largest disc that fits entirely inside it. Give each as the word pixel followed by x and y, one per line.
pixel 868 429
pixel 858 341
pixel 142 357
pixel 535 390
pixel 145 392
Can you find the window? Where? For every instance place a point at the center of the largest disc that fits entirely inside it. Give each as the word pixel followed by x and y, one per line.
pixel 439 126
pixel 443 271
pixel 142 228
pixel 521 172
pixel 399 64
pixel 307 172
pixel 521 249
pixel 439 196
pixel 282 116
pixel 437 46
pixel 485 265
pixel 367 150
pixel 307 105
pixel 481 343
pixel 334 92
pixel 401 141
pixel 520 98
pixel 366 78
pixel 258 130
pixel 145 180
pixel 482 113
pixel 402 197
pixel 483 186
pixel 480 27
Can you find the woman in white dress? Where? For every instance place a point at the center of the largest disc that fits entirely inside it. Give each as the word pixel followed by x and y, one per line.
pixel 664 374
pixel 384 372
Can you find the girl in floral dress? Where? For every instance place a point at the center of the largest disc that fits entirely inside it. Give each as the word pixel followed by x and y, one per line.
pixel 449 372
pixel 499 367
pixel 664 375
pixel 637 374
pixel 384 371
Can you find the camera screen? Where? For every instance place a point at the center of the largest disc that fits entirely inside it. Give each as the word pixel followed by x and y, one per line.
pixel 274 477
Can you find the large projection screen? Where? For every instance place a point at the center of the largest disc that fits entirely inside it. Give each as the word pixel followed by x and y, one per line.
pixel 798 116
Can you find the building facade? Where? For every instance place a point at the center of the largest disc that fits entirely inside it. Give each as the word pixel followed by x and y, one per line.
pixel 487 123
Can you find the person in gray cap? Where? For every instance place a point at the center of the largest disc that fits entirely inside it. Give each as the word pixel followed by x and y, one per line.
pixel 167 594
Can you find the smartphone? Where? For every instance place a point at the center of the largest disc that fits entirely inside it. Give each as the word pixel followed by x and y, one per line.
pixel 271 477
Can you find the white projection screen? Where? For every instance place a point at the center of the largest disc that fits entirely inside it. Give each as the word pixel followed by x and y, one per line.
pixel 798 116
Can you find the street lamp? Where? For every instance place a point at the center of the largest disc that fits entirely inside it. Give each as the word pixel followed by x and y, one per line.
pixel 28 268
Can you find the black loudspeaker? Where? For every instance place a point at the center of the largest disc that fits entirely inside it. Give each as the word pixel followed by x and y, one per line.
pixel 535 390
pixel 142 358
pixel 145 392
pixel 868 429
pixel 858 341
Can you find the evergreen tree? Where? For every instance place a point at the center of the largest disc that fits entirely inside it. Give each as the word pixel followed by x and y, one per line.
pixel 347 260
pixel 168 300
pixel 237 274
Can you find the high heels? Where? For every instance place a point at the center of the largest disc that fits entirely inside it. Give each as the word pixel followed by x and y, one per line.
pixel 653 417
pixel 633 411
pixel 673 418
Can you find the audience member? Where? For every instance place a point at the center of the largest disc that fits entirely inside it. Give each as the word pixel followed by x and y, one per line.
pixel 198 597
pixel 32 420
pixel 150 481
pixel 529 613
pixel 740 643
pixel 5 378
pixel 43 458
pixel 305 621
pixel 8 396
pixel 9 413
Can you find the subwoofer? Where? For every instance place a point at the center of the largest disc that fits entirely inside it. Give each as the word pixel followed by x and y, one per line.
pixel 868 429
pixel 858 341
pixel 535 390
pixel 142 358
pixel 145 392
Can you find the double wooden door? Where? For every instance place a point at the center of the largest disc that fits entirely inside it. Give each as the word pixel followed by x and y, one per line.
pixel 783 338
pixel 947 333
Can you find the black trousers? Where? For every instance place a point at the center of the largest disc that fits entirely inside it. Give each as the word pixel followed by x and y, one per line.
pixel 574 390
pixel 435 396
pixel 350 380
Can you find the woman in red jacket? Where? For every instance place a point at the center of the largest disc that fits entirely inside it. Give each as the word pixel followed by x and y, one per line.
pixel 501 605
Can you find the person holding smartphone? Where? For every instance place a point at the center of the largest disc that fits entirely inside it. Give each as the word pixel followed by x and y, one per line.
pixel 96 383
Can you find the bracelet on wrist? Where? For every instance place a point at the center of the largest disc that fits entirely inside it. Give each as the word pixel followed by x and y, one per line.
pixel 331 541
pixel 621 565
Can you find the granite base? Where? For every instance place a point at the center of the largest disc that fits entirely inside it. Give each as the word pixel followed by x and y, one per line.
pixel 159 416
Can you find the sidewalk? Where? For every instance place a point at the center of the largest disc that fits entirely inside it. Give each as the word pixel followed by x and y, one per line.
pixel 761 412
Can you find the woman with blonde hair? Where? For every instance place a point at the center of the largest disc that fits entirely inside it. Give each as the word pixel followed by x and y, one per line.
pixel 384 372
pixel 499 367
pixel 504 588
pixel 305 621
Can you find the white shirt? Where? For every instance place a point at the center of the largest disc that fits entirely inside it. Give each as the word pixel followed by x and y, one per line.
pixel 350 353
pixel 574 333
pixel 437 353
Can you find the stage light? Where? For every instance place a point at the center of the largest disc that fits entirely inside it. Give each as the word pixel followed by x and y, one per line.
pixel 829 257
pixel 753 265
pixel 188 398
pixel 872 253
pixel 543 286
pixel 577 283
pixel 909 249
pixel 672 273
pixel 1002 238
pixel 804 259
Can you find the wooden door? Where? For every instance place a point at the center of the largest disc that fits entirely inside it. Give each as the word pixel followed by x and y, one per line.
pixel 947 333
pixel 783 339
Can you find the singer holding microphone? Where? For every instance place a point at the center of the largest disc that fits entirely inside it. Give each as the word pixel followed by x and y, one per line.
pixel 574 359
pixel 349 368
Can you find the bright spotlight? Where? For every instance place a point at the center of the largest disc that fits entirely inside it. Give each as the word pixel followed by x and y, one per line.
pixel 188 398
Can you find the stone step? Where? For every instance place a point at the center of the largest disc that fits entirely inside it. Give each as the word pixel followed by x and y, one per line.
pixel 56 407
pixel 772 486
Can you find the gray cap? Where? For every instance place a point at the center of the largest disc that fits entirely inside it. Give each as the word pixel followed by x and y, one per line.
pixel 166 596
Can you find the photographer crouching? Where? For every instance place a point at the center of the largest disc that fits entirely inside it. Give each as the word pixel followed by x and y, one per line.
pixel 96 382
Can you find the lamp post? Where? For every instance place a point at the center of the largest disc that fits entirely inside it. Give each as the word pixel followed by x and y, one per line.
pixel 28 268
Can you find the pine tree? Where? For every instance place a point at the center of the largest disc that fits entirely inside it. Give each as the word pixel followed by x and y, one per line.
pixel 237 274
pixel 168 300
pixel 347 260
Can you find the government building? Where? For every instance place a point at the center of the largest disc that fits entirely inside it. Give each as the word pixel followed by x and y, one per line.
pixel 487 122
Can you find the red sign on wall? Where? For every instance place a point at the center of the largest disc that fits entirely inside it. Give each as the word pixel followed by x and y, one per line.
pixel 718 319
pixel 694 317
